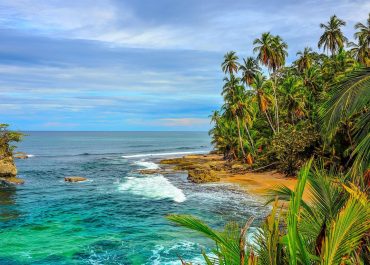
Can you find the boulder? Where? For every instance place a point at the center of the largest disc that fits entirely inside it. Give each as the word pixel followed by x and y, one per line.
pixel 74 179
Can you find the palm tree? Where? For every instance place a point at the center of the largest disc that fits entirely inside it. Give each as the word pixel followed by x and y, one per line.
pixel 230 64
pixel 293 98
pixel 229 86
pixel 271 53
pixel 249 69
pixel 305 59
pixel 333 38
pixel 361 50
pixel 363 32
pixel 234 107
pixel 350 99
pixel 258 84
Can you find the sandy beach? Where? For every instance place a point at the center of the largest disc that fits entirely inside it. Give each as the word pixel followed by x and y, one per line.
pixel 204 168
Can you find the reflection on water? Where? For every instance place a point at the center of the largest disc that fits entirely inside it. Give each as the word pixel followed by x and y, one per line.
pixel 7 202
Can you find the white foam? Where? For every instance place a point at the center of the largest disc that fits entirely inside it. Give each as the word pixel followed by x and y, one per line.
pixel 154 187
pixel 164 154
pixel 29 155
pixel 147 165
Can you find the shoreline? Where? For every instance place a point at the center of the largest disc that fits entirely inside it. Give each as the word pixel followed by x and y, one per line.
pixel 204 168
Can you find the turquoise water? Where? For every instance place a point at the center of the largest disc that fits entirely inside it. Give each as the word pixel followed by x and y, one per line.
pixel 117 216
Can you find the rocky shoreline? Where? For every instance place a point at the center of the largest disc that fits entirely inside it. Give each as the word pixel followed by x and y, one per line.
pixel 8 170
pixel 203 168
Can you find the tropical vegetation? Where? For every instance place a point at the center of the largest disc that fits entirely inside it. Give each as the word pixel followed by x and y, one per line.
pixel 6 139
pixel 310 119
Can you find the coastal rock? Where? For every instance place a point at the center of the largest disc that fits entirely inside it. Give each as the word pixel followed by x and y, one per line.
pixel 7 167
pixel 202 175
pixel 153 171
pixel 20 155
pixel 11 181
pixel 74 179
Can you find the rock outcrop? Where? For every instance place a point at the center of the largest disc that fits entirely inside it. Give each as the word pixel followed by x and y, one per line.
pixel 8 170
pixel 7 167
pixel 74 179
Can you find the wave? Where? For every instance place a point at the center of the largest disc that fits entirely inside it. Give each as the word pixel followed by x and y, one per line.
pixel 163 255
pixel 164 154
pixel 30 155
pixel 154 187
pixel 147 165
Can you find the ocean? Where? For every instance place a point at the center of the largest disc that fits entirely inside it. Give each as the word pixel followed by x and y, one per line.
pixel 117 216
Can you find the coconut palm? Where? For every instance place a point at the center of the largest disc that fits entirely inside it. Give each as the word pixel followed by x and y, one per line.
pixel 333 38
pixel 272 51
pixel 230 64
pixel 249 69
pixel 350 99
pixel 361 50
pixel 363 32
pixel 293 98
pixel 259 82
pixel 230 86
pixel 305 59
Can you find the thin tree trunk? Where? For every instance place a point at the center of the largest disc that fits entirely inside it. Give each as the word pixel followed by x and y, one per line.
pixel 276 104
pixel 250 138
pixel 269 121
pixel 240 137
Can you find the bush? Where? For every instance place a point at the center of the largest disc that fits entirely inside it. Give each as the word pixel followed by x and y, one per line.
pixel 292 147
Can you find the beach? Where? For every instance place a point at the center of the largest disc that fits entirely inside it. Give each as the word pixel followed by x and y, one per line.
pixel 213 168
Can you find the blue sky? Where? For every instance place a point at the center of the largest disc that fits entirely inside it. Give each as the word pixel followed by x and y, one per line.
pixel 135 64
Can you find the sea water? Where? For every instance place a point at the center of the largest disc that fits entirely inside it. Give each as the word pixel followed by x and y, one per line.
pixel 118 215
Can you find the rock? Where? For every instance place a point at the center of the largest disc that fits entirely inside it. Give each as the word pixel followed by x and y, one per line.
pixel 20 155
pixel 7 167
pixel 11 181
pixel 74 179
pixel 148 171
pixel 202 175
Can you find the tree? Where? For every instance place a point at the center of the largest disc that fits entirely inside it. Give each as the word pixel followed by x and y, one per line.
pixel 293 98
pixel 249 70
pixel 333 38
pixel 361 50
pixel 305 59
pixel 6 138
pixel 230 64
pixel 271 53
pixel 263 101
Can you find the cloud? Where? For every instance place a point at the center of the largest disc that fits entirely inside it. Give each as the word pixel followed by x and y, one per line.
pixel 126 64
pixel 182 122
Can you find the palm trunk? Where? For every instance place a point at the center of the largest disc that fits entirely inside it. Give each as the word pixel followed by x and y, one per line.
pixel 250 138
pixel 276 105
pixel 269 121
pixel 240 137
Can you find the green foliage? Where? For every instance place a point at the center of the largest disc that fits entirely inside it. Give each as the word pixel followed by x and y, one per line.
pixel 274 120
pixel 350 100
pixel 317 107
pixel 6 137
pixel 331 228
pixel 292 146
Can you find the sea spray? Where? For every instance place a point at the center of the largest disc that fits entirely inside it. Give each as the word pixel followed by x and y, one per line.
pixel 154 187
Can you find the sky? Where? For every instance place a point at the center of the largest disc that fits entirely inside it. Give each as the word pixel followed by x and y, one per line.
pixel 138 64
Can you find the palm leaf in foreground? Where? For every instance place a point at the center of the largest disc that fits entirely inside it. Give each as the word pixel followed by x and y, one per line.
pixel 348 229
pixel 230 242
